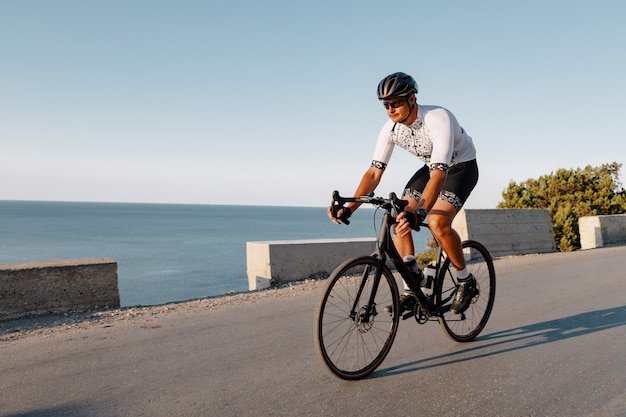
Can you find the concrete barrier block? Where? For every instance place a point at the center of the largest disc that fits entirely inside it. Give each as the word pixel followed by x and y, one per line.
pixel 598 231
pixel 590 232
pixel 275 262
pixel 37 288
pixel 507 232
pixel 502 231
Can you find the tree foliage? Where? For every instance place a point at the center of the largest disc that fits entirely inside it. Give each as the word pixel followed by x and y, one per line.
pixel 569 194
pixel 429 255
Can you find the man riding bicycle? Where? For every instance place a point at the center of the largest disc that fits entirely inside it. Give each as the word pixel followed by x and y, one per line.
pixel 438 189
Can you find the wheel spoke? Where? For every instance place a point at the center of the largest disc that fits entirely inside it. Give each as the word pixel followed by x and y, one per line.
pixel 465 327
pixel 352 344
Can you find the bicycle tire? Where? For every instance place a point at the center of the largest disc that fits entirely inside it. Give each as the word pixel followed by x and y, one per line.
pixel 351 345
pixel 466 326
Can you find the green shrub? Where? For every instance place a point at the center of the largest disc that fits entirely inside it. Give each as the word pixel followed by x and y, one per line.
pixel 569 194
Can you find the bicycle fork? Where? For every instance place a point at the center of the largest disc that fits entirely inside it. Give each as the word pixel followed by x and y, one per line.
pixel 366 312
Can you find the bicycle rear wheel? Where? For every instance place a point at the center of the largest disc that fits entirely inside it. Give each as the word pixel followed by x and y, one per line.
pixel 466 326
pixel 351 341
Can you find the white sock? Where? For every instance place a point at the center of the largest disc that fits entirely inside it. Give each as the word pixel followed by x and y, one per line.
pixel 462 274
pixel 407 259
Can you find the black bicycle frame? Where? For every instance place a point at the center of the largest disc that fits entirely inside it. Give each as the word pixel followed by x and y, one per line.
pixel 386 246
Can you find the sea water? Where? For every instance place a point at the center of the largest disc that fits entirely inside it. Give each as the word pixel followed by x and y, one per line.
pixel 165 252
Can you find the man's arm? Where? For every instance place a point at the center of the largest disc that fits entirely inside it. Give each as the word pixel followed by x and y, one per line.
pixel 428 200
pixel 368 184
pixel 432 190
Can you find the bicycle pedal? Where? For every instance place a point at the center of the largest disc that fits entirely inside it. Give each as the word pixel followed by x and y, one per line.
pixel 408 315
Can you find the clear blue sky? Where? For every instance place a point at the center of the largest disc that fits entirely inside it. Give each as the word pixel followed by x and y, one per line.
pixel 273 102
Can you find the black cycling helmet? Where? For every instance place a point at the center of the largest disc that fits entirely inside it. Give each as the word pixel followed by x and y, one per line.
pixel 397 84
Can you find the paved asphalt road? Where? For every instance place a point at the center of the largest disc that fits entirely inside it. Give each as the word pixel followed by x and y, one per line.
pixel 555 346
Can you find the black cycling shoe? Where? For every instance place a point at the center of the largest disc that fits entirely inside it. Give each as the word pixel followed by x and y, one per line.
pixel 406 304
pixel 407 301
pixel 464 294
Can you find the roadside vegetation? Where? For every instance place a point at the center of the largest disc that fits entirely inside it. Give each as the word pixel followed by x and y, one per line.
pixel 569 194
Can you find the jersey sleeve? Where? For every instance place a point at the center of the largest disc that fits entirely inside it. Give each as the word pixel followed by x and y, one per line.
pixel 384 146
pixel 442 131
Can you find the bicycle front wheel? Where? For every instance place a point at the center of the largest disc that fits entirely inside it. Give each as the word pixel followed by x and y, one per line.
pixel 466 326
pixel 351 338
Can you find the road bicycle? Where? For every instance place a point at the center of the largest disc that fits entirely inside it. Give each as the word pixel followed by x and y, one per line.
pixel 357 315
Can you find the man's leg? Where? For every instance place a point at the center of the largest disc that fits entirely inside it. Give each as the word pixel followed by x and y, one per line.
pixel 450 241
pixel 404 244
pixel 440 223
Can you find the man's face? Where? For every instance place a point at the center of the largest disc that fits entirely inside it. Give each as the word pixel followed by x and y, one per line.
pixel 398 108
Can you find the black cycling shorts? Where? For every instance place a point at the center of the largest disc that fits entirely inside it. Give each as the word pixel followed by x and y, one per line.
pixel 460 182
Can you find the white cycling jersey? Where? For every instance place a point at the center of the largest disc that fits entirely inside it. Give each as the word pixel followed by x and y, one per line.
pixel 435 137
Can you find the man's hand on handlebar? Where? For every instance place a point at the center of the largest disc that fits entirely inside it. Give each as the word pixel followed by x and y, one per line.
pixel 407 221
pixel 339 214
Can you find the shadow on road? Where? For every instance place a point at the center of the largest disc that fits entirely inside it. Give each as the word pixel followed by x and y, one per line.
pixel 65 411
pixel 520 338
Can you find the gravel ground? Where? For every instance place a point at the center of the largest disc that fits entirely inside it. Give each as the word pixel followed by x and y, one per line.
pixel 42 325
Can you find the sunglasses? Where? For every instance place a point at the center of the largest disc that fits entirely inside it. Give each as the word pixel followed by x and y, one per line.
pixel 395 104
